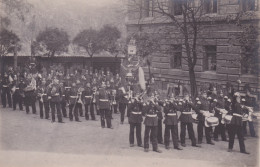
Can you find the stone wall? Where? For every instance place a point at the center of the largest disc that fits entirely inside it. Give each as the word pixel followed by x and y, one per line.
pixel 220 33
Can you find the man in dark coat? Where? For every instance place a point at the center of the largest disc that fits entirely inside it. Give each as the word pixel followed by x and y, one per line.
pixel 151 122
pixel 87 95
pixel 43 99
pixel 135 120
pixel 171 124
pixel 19 94
pixel 186 121
pixel 6 91
pixel 55 99
pixel 103 105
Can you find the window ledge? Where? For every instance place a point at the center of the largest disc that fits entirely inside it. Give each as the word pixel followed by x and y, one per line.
pixel 176 69
pixel 211 14
pixel 248 75
pixel 210 72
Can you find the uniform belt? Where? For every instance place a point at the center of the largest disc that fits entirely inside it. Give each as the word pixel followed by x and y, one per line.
pixel 186 113
pixel 5 86
pixel 67 87
pixel 88 96
pixel 136 112
pixel 44 94
pixel 73 97
pixel 154 115
pixel 63 95
pixel 171 114
pixel 56 94
pixel 103 99
pixel 235 114
pixel 16 88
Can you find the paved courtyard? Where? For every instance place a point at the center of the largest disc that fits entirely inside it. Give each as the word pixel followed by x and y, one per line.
pixel 27 140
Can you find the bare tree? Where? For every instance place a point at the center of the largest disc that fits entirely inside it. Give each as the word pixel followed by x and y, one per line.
pixel 185 16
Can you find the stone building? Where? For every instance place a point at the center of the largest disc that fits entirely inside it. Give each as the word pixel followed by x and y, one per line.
pixel 222 45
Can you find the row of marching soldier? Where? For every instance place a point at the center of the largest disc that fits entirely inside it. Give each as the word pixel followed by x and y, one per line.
pixel 105 94
pixel 214 113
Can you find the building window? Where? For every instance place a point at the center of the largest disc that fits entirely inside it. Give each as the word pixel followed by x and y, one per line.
pixel 249 60
pixel 175 7
pixel 175 60
pixel 210 62
pixel 210 6
pixel 147 8
pixel 247 5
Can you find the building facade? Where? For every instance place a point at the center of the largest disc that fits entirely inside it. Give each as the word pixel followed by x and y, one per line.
pixel 227 50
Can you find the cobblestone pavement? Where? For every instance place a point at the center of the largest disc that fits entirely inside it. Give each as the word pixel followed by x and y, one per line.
pixel 27 140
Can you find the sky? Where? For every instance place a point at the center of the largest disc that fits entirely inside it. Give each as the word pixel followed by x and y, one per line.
pixel 72 16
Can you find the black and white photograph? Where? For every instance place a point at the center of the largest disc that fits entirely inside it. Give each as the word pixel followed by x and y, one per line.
pixel 135 83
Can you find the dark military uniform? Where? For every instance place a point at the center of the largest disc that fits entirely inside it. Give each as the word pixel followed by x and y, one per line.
pixel 30 99
pixel 236 127
pixel 151 122
pixel 220 129
pixel 104 107
pixel 43 101
pixel 73 104
pixel 6 91
pixel 135 120
pixel 186 120
pixel 63 102
pixel 171 124
pixel 54 93
pixel 159 127
pixel 87 94
pixel 122 103
pixel 18 95
pixel 205 106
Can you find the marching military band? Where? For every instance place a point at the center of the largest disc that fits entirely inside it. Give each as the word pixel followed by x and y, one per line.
pixel 108 94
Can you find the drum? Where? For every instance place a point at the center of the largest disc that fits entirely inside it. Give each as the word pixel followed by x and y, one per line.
pixel 28 89
pixel 227 119
pixel 194 116
pixel 211 121
pixel 245 117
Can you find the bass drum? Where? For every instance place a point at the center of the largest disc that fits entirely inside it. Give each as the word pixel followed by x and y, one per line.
pixel 211 121
pixel 227 119
pixel 28 89
pixel 194 116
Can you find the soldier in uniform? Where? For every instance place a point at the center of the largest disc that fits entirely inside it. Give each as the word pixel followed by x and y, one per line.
pixel 63 102
pixel 151 122
pixel 204 106
pixel 87 94
pixel 236 125
pixel 6 91
pixel 135 120
pixel 43 99
pixel 171 124
pixel 186 121
pixel 30 95
pixel 122 103
pixel 54 96
pixel 103 104
pixel 18 94
pixel 79 86
pixel 93 105
pixel 220 129
pixel 73 105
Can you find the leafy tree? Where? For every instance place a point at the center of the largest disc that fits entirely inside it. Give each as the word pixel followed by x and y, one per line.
pixel 185 17
pixel 110 36
pixel 9 43
pixel 52 41
pixel 18 8
pixel 90 40
pixel 146 45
